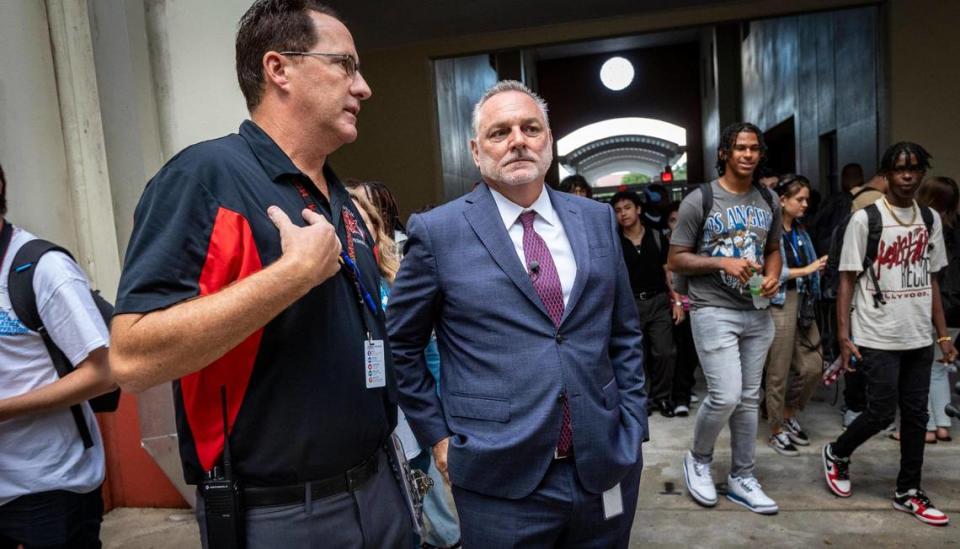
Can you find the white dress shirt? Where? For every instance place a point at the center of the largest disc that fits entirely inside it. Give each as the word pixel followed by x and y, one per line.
pixel 547 224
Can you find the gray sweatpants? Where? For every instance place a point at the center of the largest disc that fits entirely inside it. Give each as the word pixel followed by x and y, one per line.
pixel 732 346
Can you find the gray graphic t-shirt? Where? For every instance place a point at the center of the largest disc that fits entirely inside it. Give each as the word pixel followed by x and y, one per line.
pixel 739 225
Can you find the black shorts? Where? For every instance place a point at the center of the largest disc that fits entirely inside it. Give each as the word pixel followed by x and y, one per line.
pixel 52 519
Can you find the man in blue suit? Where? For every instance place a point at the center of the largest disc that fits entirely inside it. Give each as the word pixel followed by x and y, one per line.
pixel 542 408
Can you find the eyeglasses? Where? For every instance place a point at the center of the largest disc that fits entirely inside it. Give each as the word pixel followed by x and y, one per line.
pixel 350 65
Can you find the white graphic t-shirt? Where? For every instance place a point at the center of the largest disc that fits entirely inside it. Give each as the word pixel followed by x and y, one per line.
pixel 906 260
pixel 43 452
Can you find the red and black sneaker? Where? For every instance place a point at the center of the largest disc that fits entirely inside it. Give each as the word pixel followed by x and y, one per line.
pixel 836 471
pixel 915 502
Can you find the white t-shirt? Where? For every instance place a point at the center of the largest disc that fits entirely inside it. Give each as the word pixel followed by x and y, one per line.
pixel 904 266
pixel 43 452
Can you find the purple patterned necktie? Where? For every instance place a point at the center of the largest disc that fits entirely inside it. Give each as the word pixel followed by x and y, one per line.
pixel 547 283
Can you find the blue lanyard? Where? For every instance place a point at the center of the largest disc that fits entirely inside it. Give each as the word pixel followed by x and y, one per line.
pixel 354 271
pixel 358 282
pixel 795 246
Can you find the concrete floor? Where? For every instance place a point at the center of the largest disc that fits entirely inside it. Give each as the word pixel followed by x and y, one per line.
pixel 666 517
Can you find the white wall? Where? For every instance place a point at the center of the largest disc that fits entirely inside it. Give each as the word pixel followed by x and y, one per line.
pixel 192 53
pixel 31 137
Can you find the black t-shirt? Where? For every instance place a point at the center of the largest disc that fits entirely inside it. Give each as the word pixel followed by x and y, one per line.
pixel 297 398
pixel 645 262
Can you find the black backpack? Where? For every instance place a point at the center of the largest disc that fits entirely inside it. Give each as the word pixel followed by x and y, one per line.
pixel 680 284
pixel 830 279
pixel 833 213
pixel 23 299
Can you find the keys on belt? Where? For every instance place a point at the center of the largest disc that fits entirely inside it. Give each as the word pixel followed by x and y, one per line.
pixel 645 296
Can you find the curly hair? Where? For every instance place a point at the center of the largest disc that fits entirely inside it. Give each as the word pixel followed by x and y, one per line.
pixel 386 248
pixel 728 138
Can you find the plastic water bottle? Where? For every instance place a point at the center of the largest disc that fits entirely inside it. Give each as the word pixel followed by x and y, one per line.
pixel 756 283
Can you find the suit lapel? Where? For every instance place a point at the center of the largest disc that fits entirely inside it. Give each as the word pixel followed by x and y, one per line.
pixel 572 219
pixel 484 218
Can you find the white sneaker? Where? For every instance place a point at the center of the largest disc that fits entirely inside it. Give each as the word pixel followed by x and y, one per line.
pixel 747 492
pixel 848 417
pixel 699 481
pixel 695 399
pixel 682 410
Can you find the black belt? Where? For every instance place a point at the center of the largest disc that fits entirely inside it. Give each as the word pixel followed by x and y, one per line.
pixel 352 479
pixel 644 296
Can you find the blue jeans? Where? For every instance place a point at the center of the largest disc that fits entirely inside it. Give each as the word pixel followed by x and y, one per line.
pixel 939 390
pixel 732 346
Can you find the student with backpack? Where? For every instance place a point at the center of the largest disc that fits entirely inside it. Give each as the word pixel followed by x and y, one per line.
pixel 886 300
pixel 854 399
pixel 728 232
pixel 50 473
pixel 794 363
pixel 645 254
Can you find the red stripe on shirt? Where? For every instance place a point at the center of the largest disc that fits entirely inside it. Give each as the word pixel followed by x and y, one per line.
pixel 231 256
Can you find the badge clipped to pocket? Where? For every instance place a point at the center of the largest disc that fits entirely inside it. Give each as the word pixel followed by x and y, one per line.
pixel 374 365
pixel 612 503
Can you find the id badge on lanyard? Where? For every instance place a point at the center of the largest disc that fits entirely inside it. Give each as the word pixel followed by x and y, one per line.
pixel 375 366
pixel 374 360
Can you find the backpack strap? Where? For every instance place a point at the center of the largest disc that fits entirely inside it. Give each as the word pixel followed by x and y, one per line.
pixel 874 230
pixel 23 299
pixel 5 236
pixel 766 194
pixel 657 239
pixel 706 203
pixel 927 215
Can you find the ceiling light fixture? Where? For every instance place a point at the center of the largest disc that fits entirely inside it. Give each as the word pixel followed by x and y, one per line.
pixel 616 73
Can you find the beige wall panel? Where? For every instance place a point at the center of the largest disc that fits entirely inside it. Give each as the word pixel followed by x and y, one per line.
pixel 924 75
pixel 31 138
pixel 192 54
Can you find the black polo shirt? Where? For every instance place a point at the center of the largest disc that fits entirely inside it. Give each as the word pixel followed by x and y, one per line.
pixel 298 405
pixel 645 262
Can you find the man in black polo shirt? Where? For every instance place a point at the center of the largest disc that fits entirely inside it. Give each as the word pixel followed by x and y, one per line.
pixel 645 253
pixel 232 283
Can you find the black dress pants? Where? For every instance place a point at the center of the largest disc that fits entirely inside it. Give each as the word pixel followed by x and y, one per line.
pixel 656 323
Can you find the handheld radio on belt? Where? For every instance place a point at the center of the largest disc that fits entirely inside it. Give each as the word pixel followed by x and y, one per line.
pixel 221 498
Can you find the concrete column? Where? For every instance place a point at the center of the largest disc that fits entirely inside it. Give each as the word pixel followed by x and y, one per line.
pixel 87 174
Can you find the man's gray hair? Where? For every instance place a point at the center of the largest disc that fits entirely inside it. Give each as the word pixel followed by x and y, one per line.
pixel 507 86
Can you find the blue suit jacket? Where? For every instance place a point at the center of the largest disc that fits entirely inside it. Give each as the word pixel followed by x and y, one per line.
pixel 504 364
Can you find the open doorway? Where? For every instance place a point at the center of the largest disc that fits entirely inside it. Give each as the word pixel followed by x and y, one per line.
pixel 781 148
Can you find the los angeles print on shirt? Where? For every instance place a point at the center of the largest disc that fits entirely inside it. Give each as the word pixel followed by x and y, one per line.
pixel 738 231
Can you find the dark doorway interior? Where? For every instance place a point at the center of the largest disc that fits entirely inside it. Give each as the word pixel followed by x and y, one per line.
pixel 829 176
pixel 782 147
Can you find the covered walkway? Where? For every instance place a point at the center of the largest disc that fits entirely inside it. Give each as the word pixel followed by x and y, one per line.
pixel 667 517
